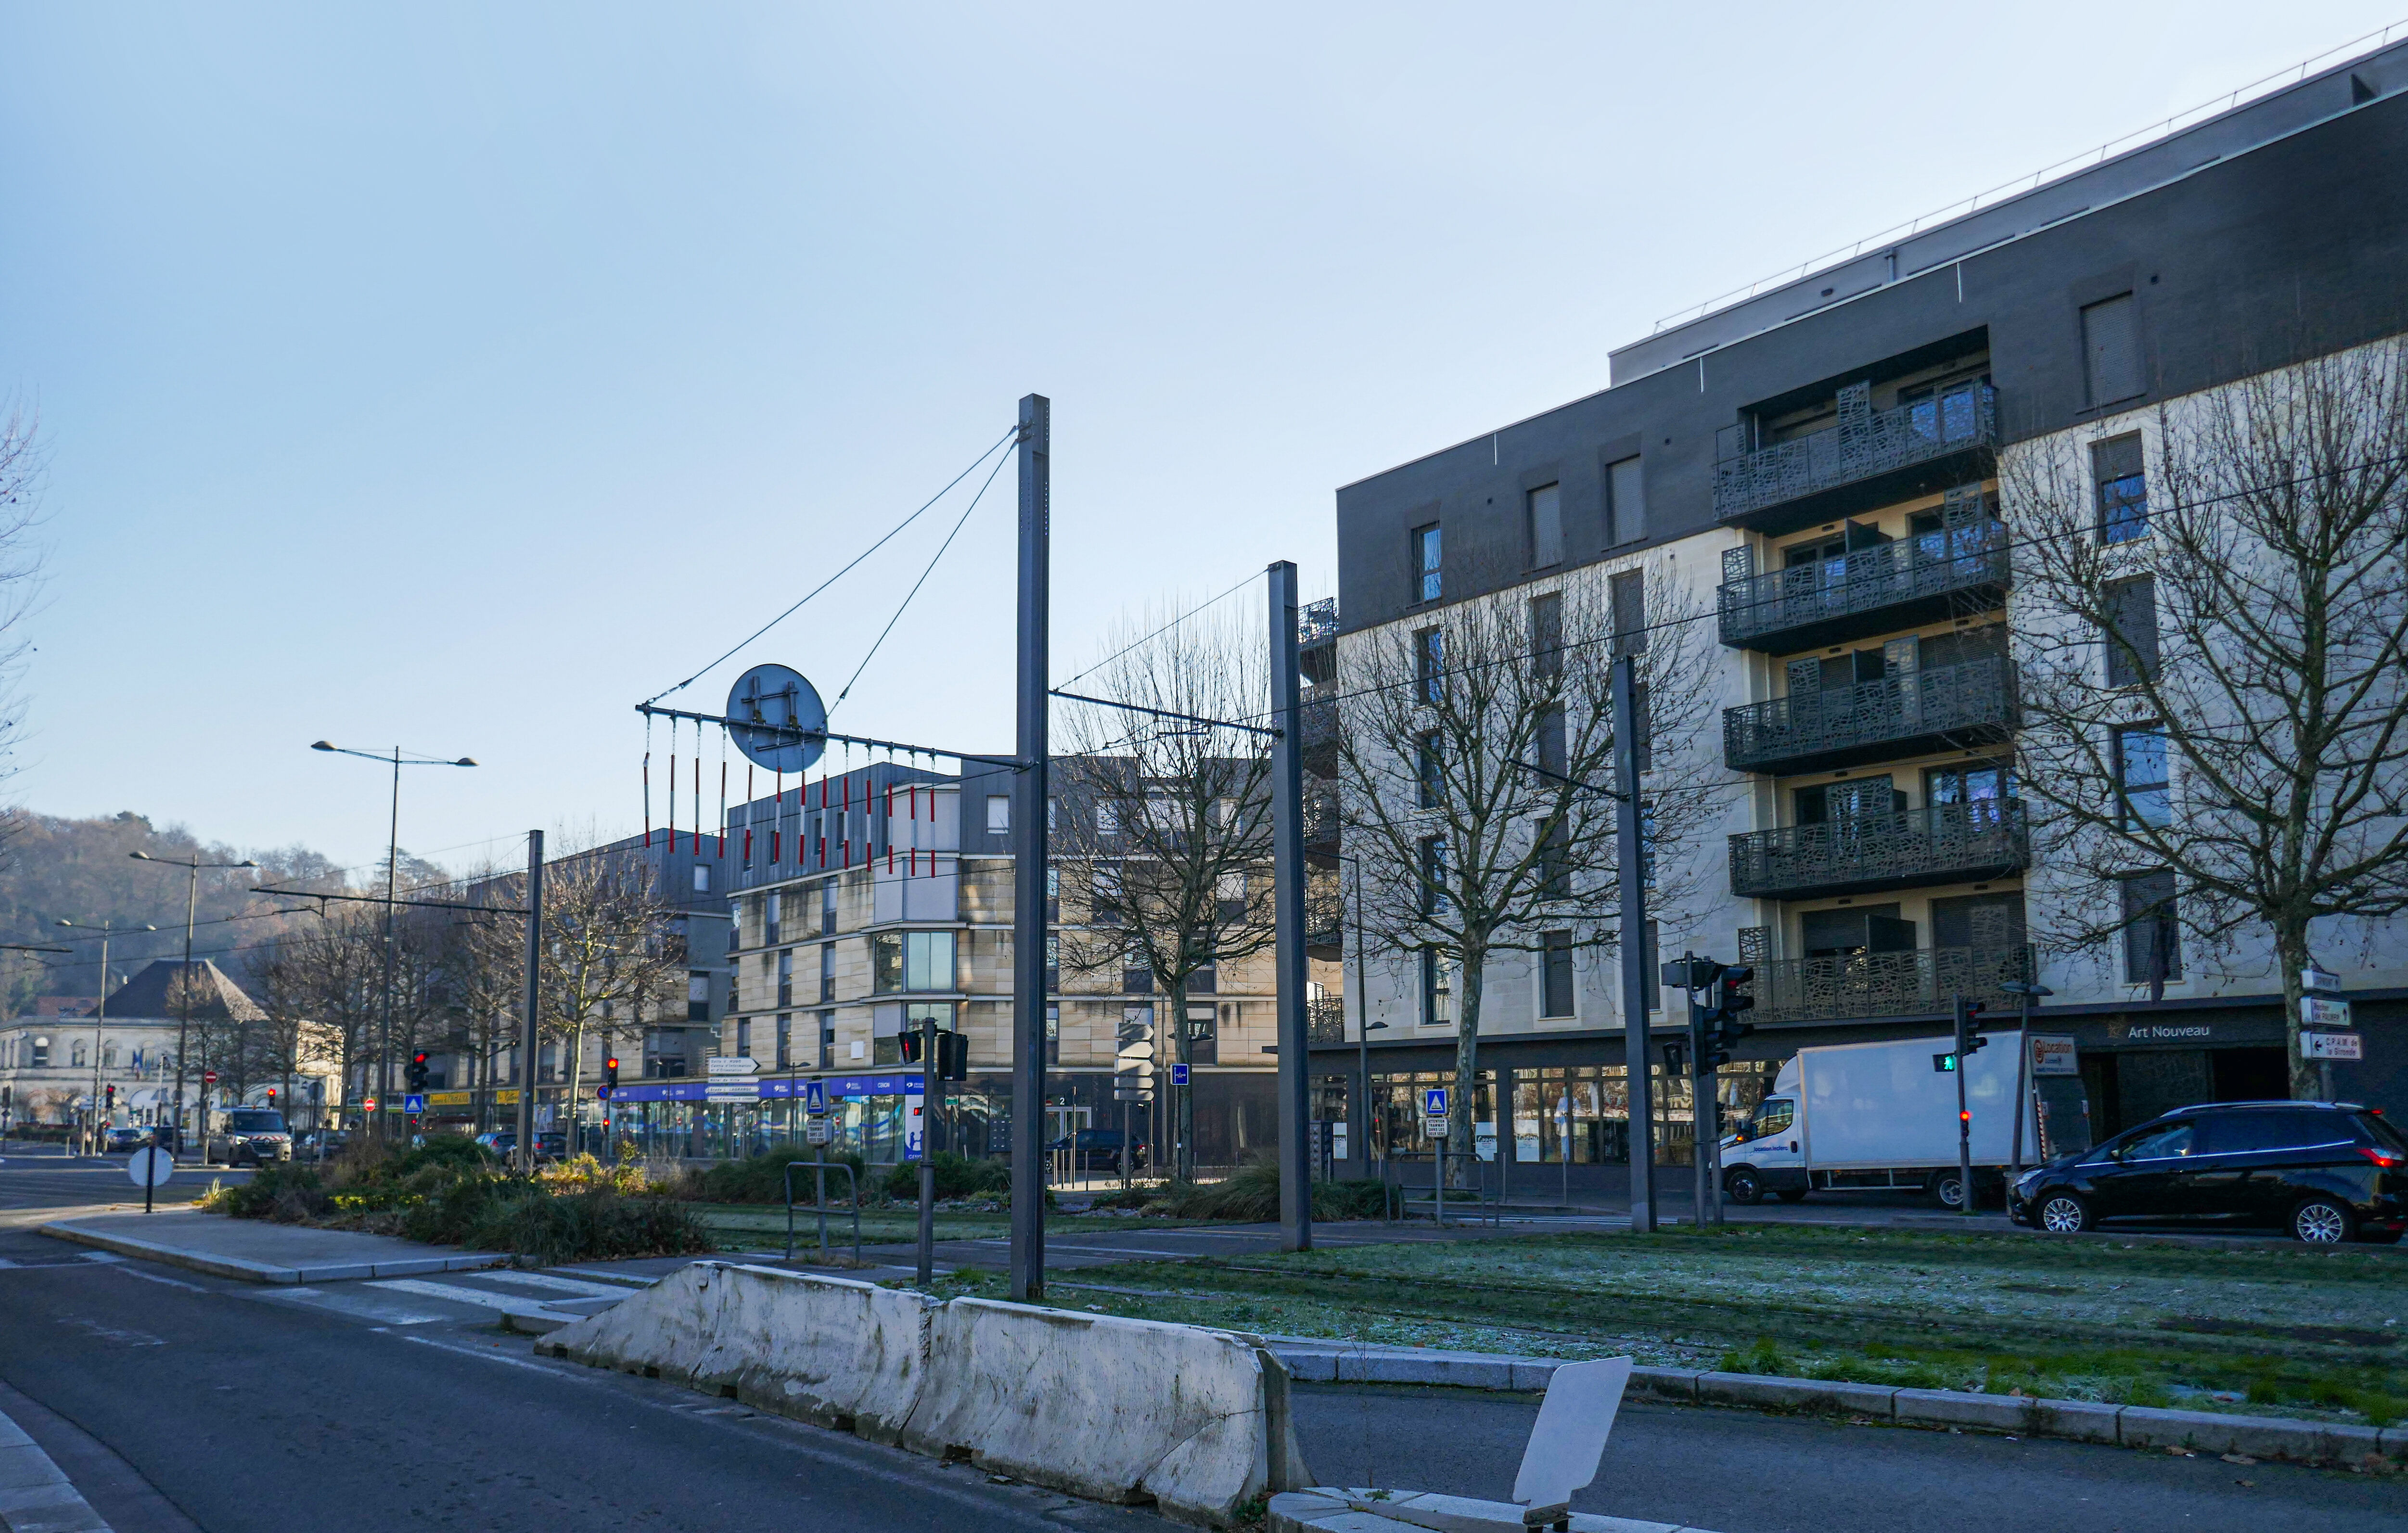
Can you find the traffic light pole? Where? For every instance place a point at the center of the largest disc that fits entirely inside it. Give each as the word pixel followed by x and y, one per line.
pixel 1701 1076
pixel 929 1071
pixel 1295 1114
pixel 1628 854
pixel 1964 1113
pixel 524 1152
pixel 1029 855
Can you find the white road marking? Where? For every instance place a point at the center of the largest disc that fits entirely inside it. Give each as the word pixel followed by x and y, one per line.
pixel 515 1303
pixel 560 1285
pixel 153 1276
pixel 349 1306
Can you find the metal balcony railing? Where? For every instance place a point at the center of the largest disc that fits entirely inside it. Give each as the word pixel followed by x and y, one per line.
pixel 1898 584
pixel 1898 716
pixel 1317 720
pixel 1945 843
pixel 1867 445
pixel 1324 1020
pixel 1922 983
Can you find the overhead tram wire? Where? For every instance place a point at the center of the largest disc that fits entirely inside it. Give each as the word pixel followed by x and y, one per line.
pixel 840 573
pixel 1158 632
pixel 899 610
pixel 2007 546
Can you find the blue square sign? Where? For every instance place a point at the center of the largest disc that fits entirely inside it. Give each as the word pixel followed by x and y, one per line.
pixel 414 1102
pixel 815 1098
pixel 1179 1075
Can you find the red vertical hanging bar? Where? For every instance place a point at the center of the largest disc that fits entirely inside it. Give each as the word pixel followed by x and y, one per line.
pixel 776 816
pixel 723 801
pixel 747 814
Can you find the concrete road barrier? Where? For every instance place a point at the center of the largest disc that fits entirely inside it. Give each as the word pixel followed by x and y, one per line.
pixel 1195 1421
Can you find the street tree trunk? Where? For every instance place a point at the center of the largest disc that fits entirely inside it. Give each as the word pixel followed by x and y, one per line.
pixel 1461 1132
pixel 1183 1098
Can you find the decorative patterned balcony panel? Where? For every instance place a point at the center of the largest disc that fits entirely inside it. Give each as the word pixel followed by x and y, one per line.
pixel 1319 729
pixel 1886 984
pixel 1870 456
pixel 1896 716
pixel 1945 843
pixel 1900 584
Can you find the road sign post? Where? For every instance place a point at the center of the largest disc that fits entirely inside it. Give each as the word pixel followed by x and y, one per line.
pixel 1434 1124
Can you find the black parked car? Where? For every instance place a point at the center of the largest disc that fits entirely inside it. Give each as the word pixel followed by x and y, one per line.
pixel 2326 1172
pixel 1093 1150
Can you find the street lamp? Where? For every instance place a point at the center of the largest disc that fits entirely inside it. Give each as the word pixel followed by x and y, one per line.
pixel 391 866
pixel 100 1011
pixel 184 1015
pixel 2026 992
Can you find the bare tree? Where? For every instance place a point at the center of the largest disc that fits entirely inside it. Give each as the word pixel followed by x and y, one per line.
pixel 2215 677
pixel 332 972
pixel 483 962
pixel 20 564
pixel 1476 765
pixel 611 961
pixel 1163 831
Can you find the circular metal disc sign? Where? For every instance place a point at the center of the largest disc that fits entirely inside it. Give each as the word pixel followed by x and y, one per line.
pixel 781 706
pixel 150 1168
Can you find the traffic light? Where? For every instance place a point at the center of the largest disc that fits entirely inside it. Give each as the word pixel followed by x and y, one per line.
pixel 911 1046
pixel 611 1074
pixel 953 1057
pixel 271 1099
pixel 109 1099
pixel 1968 1022
pixel 415 1076
pixel 1724 1028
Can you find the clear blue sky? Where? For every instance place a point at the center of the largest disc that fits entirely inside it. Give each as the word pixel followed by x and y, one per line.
pixel 457 375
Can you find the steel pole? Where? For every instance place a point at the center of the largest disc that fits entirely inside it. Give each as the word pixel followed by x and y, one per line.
pixel 1363 1025
pixel 99 1018
pixel 185 1020
pixel 524 1154
pixel 1630 854
pixel 2023 1085
pixel 1700 1085
pixel 1287 905
pixel 1964 1117
pixel 928 1266
pixel 391 868
pixel 1029 850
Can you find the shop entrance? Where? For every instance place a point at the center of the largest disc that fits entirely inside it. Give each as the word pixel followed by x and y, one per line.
pixel 2135 1085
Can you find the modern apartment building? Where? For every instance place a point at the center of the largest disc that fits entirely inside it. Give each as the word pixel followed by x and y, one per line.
pixel 1815 471
pixel 877 897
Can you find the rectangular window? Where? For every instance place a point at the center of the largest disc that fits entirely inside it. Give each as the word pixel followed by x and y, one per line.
pixel 1556 968
pixel 744 1037
pixel 1556 861
pixel 1137 973
pixel 1429 664
pixel 1628 593
pixel 1425 562
pixel 785 1041
pixel 827 972
pixel 1203 1034
pixel 773 913
pixel 786 976
pixel 1544 509
pixel 2142 777
pixel 1229 899
pixel 1547 635
pixel 2123 486
pixel 1553 754
pixel 1438 988
pixel 1625 503
pixel 2131 636
pixel 1052 962
pixel 1108 818
pixel 998 813
pixel 912 961
pixel 2111 350
pixel 828 1038
pixel 2152 930
pixel 702 878
pixel 1427 775
pixel 1433 875
pixel 828 908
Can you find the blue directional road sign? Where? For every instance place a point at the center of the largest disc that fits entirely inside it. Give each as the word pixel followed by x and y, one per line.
pixel 1179 1075
pixel 815 1098
pixel 414 1102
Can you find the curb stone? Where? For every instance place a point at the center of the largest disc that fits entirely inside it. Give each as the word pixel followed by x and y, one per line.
pixel 1331 1509
pixel 34 1497
pixel 251 1271
pixel 2077 1421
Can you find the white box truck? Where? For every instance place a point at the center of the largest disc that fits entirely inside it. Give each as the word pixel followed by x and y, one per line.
pixel 1883 1115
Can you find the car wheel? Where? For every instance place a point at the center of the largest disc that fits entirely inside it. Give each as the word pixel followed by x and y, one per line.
pixel 1742 1187
pixel 1791 1194
pixel 1947 1189
pixel 2320 1221
pixel 2063 1213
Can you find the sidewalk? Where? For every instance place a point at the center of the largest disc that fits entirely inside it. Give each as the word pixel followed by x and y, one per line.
pixel 256 1251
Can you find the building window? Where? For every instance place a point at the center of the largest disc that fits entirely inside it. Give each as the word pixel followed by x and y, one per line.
pixel 1547 634
pixel 773 915
pixel 1203 1036
pixel 1555 861
pixel 2151 927
pixel 702 878
pixel 1425 562
pixel 912 961
pixel 2131 636
pixel 785 1041
pixel 1438 988
pixel 828 1038
pixel 998 815
pixel 827 972
pixel 1556 963
pixel 1626 502
pixel 2111 350
pixel 2123 487
pixel 78 1053
pixel 697 997
pixel 1136 974
pixel 1229 899
pixel 1426 774
pixel 787 976
pixel 1052 1035
pixel 828 908
pixel 1433 875
pixel 1553 754
pixel 1429 664
pixel 2140 776
pixel 1052 962
pixel 1543 509
pixel 1627 592
pixel 1108 818
pixel 744 1037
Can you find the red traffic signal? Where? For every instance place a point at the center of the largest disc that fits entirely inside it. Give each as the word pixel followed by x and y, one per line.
pixel 271 1096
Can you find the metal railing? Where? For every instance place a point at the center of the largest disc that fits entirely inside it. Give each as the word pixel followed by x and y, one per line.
pixel 852 1198
pixel 1862 446
pixel 1920 983
pixel 1816 730
pixel 1959 562
pixel 1942 843
pixel 1324 1020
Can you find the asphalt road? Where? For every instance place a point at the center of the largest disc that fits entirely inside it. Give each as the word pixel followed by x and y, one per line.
pixel 41 1183
pixel 1738 1472
pixel 176 1401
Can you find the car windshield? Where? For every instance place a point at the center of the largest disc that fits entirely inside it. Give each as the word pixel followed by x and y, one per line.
pixel 251 1121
